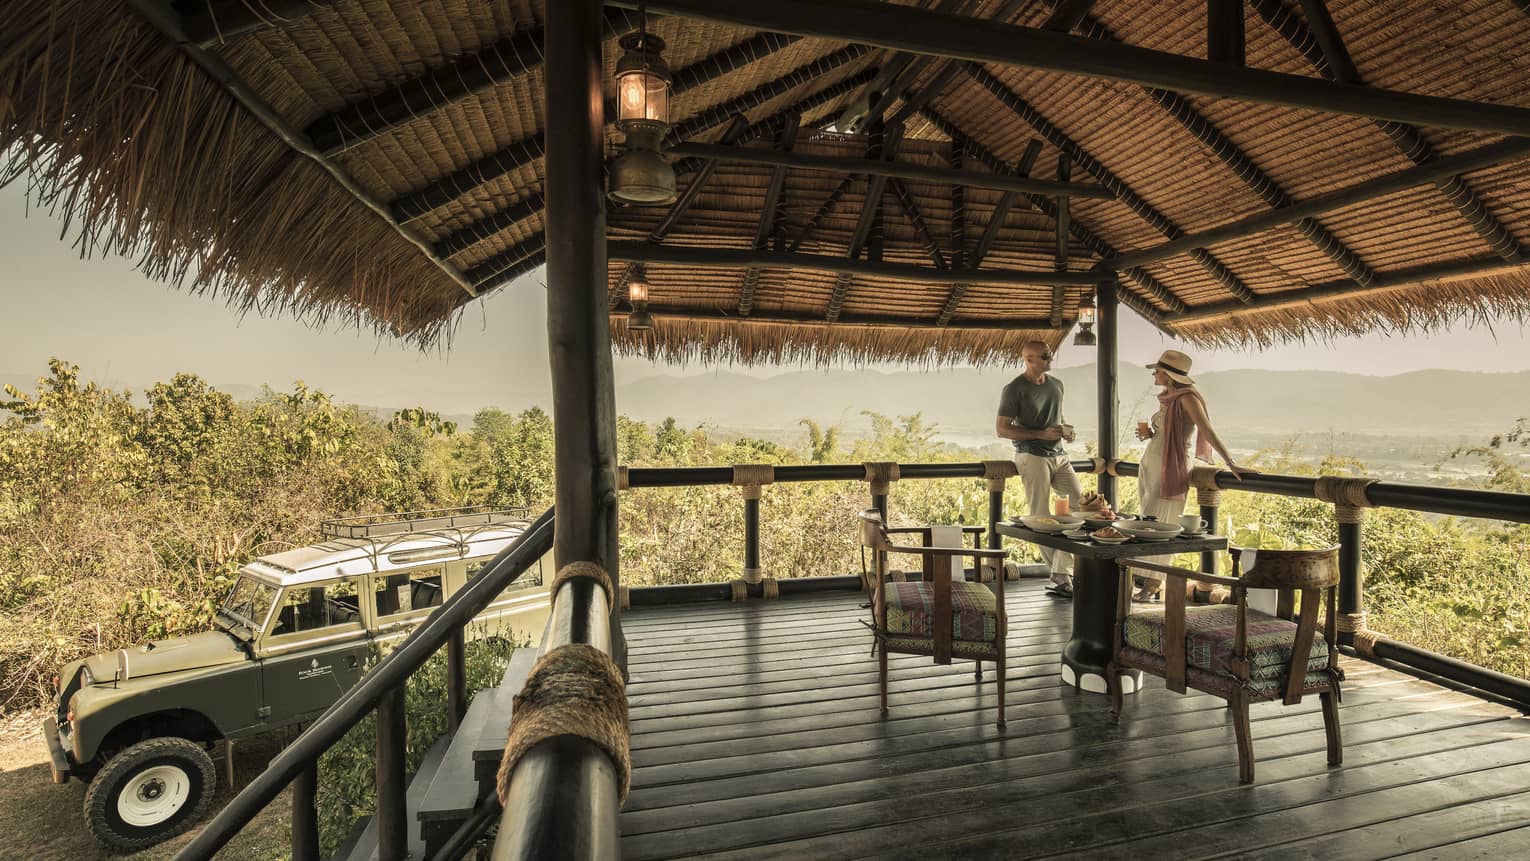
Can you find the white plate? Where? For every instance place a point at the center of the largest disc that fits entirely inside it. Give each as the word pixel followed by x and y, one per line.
pixel 1076 534
pixel 1153 539
pixel 1109 540
pixel 1058 522
pixel 1197 532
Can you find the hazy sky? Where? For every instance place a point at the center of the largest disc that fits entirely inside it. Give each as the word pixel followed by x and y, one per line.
pixel 120 326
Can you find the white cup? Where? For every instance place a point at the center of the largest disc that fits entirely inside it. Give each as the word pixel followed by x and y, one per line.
pixel 1193 523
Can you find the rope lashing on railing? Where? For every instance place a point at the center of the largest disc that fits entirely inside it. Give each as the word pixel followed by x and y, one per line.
pixel 1348 496
pixel 996 471
pixel 588 570
pixel 1105 467
pixel 572 690
pixel 752 477
pixel 1365 642
pixel 1204 480
pixel 880 474
pixel 1352 623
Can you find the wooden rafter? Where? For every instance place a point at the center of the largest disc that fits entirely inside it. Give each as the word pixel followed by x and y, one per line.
pixel 902 28
pixel 461 240
pixel 1242 166
pixel 915 218
pixel 870 210
pixel 491 272
pixel 1362 192
pixel 991 231
pixel 1060 261
pixel 880 321
pixel 766 92
pixel 739 258
pixel 899 71
pixel 1134 201
pixel 770 215
pixel 1154 288
pixel 1405 137
pixel 1066 15
pixel 887 168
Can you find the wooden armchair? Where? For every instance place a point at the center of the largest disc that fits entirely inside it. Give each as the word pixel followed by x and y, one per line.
pixel 939 615
pixel 1235 653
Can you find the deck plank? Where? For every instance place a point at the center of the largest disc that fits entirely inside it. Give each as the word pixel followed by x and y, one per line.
pixel 756 733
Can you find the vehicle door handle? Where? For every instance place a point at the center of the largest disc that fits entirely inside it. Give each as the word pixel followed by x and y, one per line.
pixel 351 661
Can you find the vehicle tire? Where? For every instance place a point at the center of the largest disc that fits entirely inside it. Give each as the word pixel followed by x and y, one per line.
pixel 150 792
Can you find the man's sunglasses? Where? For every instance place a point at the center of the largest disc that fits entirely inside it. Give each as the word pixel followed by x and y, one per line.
pixel 1045 357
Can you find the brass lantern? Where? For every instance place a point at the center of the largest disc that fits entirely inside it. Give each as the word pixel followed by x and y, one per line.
pixel 637 294
pixel 1085 336
pixel 641 175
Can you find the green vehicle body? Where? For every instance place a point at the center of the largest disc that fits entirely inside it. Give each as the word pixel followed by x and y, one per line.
pixel 253 675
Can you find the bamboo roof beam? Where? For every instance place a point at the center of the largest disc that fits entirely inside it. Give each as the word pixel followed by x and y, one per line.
pixel 469 235
pixel 212 23
pixel 1224 31
pixel 946 70
pixel 915 218
pixel 870 210
pixel 1154 288
pixel 1066 15
pixel 991 230
pixel 1406 138
pixel 1124 193
pixel 1385 281
pixel 163 19
pixel 886 25
pixel 491 272
pixel 770 215
pixel 881 321
pixel 899 71
pixel 375 115
pixel 1491 155
pixel 739 258
pixel 803 74
pixel 884 168
pixel 1243 167
pixel 1060 261
pixel 824 209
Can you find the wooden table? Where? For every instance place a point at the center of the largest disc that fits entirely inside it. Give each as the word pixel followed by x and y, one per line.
pixel 1095 580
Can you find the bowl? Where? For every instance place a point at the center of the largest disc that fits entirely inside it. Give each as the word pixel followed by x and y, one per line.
pixel 1098 522
pixel 1096 537
pixel 1149 530
pixel 1051 522
pixel 1075 534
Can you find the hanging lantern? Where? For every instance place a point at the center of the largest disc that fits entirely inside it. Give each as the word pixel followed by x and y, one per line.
pixel 641 175
pixel 1085 336
pixel 637 294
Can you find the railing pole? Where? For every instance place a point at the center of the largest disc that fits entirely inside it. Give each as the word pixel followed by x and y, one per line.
pixel 305 814
pixel 1351 586
pixel 456 680
pixel 751 538
pixel 392 816
pixel 1209 513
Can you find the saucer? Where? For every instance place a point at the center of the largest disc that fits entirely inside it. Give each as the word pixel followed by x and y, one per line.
pixel 1195 533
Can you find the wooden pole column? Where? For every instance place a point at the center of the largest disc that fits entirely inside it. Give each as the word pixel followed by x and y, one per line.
pixel 880 475
pixel 751 478
pixel 995 472
pixel 456 679
pixel 1105 326
pixel 578 328
pixel 1350 498
pixel 392 811
pixel 1209 497
pixel 305 814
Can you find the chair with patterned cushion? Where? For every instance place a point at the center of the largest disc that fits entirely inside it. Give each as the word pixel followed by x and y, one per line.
pixel 938 615
pixel 1236 653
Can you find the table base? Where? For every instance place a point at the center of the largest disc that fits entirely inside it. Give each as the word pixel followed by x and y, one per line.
pixel 1093 682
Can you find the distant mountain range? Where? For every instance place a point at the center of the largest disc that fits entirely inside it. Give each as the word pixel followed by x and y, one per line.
pixel 962 402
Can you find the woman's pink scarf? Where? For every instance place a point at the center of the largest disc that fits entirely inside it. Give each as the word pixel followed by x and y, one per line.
pixel 1176 431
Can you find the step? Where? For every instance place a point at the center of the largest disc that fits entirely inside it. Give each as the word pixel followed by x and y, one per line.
pixel 490 746
pixel 364 847
pixel 456 788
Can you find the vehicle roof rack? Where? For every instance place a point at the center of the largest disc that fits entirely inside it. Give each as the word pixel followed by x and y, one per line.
pixel 378 525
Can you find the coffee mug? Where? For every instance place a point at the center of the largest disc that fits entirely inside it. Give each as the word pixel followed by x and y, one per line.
pixel 1192 523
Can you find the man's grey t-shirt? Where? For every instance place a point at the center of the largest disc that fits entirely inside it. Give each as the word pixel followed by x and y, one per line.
pixel 1036 407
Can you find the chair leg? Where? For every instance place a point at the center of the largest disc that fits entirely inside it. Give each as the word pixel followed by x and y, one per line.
pixel 1331 728
pixel 998 671
pixel 882 669
pixel 1239 705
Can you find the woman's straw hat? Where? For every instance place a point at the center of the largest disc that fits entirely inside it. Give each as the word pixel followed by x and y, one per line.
pixel 1176 365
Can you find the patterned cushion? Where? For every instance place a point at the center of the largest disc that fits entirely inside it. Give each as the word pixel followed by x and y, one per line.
pixel 910 606
pixel 925 646
pixel 1223 684
pixel 1209 635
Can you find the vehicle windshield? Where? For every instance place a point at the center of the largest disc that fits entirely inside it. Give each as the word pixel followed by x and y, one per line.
pixel 249 602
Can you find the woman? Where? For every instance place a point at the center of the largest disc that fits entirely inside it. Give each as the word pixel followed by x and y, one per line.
pixel 1163 480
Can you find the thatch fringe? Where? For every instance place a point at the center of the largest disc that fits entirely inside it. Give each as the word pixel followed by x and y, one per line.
pixel 1423 307
pixel 715 342
pixel 117 133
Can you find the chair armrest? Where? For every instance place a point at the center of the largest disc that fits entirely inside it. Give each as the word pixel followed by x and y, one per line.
pixel 968 530
pixel 1188 574
pixel 976 553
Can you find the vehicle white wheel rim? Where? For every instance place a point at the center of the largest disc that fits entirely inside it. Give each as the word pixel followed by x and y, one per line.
pixel 153 795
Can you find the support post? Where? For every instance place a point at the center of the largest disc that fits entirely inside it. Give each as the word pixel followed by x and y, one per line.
pixel 1106 347
pixel 879 477
pixel 456 679
pixel 995 472
pixel 392 815
pixel 1350 497
pixel 578 325
pixel 751 539
pixel 305 814
pixel 1209 497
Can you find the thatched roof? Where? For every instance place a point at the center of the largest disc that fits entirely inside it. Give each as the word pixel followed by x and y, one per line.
pixel 396 173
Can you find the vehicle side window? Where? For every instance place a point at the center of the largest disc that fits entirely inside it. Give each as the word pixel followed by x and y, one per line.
pixel 408 591
pixel 530 579
pixel 322 605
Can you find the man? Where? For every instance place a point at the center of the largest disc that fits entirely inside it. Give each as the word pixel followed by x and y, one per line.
pixel 1030 414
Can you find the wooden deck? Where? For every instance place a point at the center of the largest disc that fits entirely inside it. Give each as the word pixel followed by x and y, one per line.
pixel 756 734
